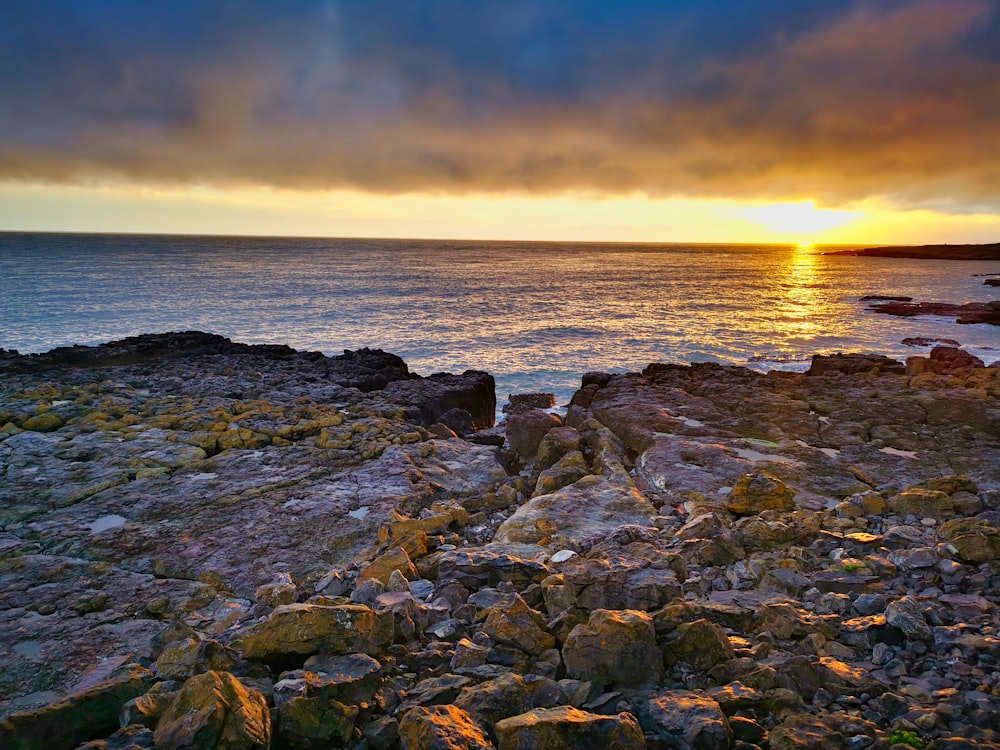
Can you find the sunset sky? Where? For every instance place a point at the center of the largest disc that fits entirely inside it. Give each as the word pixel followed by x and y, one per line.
pixel 864 121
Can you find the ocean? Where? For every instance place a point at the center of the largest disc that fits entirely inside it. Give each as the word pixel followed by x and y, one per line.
pixel 535 315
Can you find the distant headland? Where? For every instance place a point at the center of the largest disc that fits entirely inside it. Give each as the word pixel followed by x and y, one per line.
pixel 941 252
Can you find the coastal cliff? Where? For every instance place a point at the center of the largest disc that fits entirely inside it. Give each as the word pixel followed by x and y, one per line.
pixel 210 544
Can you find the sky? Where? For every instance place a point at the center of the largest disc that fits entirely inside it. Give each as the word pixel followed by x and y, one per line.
pixel 855 121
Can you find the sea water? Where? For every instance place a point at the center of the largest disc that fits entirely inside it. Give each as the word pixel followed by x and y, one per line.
pixel 535 315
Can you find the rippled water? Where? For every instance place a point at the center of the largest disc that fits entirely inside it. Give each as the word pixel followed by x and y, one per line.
pixel 536 315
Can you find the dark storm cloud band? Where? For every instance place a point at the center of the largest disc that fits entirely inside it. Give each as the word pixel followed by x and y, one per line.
pixel 737 98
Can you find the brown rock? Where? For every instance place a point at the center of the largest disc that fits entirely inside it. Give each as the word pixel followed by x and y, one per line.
pixel 567 728
pixel 383 566
pixel 701 643
pixel 518 625
pixel 757 492
pixel 215 710
pixel 691 717
pixel 82 716
pixel 976 539
pixel 295 631
pixel 615 646
pixel 921 503
pixel 525 431
pixel 441 728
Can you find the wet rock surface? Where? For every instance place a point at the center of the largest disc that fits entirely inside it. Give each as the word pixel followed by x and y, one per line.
pixel 207 544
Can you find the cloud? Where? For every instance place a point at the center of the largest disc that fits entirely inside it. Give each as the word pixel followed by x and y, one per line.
pixel 837 101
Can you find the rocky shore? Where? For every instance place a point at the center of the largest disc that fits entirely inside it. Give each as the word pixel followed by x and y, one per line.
pixel 206 544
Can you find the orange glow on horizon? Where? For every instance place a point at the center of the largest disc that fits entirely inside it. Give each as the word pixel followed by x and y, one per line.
pixel 508 216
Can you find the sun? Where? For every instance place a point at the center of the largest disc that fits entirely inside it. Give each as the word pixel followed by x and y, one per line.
pixel 799 222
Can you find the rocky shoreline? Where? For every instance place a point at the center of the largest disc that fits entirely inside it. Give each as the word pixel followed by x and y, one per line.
pixel 206 544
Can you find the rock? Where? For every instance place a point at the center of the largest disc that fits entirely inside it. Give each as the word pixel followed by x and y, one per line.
pixel 133 737
pixel 593 506
pixel 522 402
pixel 315 722
pixel 567 728
pixel 458 420
pixel 691 718
pixel 525 431
pixel 974 539
pixel 350 679
pixel 557 443
pixel 516 624
pixel 183 659
pixel 147 709
pixel 295 631
pixel 616 647
pixel 906 615
pixel 214 710
pixel 851 364
pixel 921 502
pixel 567 470
pixel 701 643
pixel 84 715
pixel 441 728
pixel 388 563
pixel 759 491
pixel 493 700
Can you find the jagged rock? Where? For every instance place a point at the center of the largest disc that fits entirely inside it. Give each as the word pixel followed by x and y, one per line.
pixel 396 559
pixel 493 700
pixel 907 616
pixel 214 710
pixel 84 715
pixel 975 540
pixel 611 581
pixel 557 443
pixel 350 679
pixel 183 659
pixel 566 728
pixel 759 491
pixel 441 728
pixel 850 364
pixel 517 624
pixel 688 719
pixel 615 646
pixel 147 709
pixel 701 643
pixel 477 568
pixel 571 468
pixel 315 722
pixel 804 732
pixel 525 431
pixel 922 503
pixel 134 737
pixel 592 506
pixel 295 631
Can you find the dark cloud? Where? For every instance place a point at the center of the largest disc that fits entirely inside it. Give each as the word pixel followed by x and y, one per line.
pixel 739 98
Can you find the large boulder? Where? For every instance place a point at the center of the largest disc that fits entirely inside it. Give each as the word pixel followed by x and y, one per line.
pixel 975 539
pixel 213 711
pixel 350 679
pixel 759 491
pixel 441 728
pixel 516 624
pixel 567 728
pixel 92 712
pixel 701 643
pixel 591 507
pixel 615 646
pixel 525 431
pixel 496 699
pixel 690 720
pixel 922 503
pixel 295 631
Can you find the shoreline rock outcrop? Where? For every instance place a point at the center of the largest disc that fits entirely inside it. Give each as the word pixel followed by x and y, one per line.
pixel 303 552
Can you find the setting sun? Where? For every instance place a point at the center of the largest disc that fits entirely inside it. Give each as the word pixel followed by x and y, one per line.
pixel 801 221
